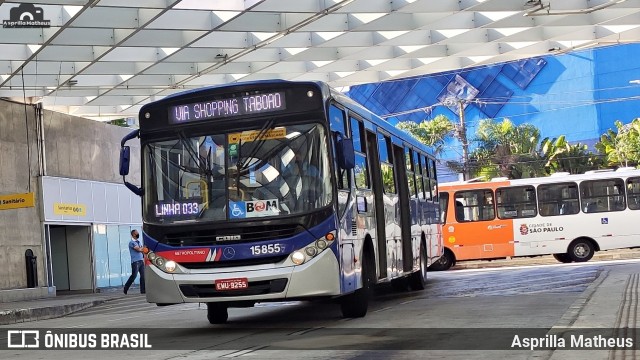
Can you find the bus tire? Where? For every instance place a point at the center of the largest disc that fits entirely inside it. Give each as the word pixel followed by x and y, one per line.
pixel 581 250
pixel 418 280
pixel 563 258
pixel 217 313
pixel 446 261
pixel 356 304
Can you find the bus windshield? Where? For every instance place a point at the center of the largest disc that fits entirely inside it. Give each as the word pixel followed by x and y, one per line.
pixel 275 170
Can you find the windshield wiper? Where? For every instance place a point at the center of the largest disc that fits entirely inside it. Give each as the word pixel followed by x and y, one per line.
pixel 258 143
pixel 203 169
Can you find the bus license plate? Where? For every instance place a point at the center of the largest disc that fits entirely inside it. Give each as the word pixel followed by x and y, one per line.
pixel 232 284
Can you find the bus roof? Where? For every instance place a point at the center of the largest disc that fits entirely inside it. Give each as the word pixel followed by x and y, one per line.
pixel 380 122
pixel 560 178
pixel 327 92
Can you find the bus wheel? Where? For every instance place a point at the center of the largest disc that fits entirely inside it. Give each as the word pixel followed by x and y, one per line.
pixel 446 261
pixel 217 313
pixel 581 250
pixel 418 279
pixel 355 305
pixel 563 258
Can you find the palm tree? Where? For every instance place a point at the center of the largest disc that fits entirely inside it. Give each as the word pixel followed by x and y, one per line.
pixel 507 150
pixel 621 147
pixel 571 158
pixel 433 133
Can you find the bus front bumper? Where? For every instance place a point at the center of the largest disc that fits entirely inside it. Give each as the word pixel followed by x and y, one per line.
pixel 318 277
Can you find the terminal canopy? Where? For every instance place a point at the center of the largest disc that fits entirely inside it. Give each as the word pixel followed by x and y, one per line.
pixel 106 58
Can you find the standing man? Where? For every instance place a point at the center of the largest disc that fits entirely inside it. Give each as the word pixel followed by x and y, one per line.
pixel 137 262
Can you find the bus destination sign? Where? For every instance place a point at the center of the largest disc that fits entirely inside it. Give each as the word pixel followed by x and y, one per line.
pixel 227 107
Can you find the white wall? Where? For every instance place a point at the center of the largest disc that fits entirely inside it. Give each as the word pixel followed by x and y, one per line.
pixel 105 203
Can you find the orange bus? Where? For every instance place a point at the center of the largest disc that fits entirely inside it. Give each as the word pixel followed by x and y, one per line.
pixel 567 216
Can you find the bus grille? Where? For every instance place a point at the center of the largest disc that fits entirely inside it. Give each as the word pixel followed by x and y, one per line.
pixel 247 234
pixel 255 288
pixel 230 263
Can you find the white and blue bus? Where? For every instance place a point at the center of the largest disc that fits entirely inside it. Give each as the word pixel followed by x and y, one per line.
pixel 273 190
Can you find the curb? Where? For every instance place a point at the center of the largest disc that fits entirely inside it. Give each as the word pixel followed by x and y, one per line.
pixel 540 260
pixel 14 316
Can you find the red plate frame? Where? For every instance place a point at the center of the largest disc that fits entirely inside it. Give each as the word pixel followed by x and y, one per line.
pixel 232 284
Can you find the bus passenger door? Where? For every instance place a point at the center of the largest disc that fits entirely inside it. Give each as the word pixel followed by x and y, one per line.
pixel 378 199
pixel 403 214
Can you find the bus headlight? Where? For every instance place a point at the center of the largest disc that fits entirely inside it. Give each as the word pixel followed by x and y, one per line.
pixel 168 266
pixel 312 250
pixel 321 244
pixel 297 257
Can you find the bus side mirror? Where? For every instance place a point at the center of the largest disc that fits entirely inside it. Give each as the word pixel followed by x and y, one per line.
pixel 346 156
pixel 125 155
pixel 125 160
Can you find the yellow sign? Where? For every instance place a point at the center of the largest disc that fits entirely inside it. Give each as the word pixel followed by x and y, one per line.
pixel 69 209
pixel 247 136
pixel 17 201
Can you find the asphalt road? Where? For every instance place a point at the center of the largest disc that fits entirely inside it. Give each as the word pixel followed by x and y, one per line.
pixel 457 308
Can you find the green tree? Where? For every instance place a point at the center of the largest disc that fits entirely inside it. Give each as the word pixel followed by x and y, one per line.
pixel 119 122
pixel 561 156
pixel 505 149
pixel 621 147
pixel 433 133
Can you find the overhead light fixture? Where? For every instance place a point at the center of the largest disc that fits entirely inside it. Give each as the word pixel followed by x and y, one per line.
pixel 222 56
pixel 533 6
pixel 72 82
pixel 538 6
pixel 555 48
pixel 532 3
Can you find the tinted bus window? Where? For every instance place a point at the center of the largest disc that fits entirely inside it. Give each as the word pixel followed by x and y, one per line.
pixel 558 199
pixel 336 118
pixel 337 124
pixel 516 202
pixel 633 193
pixel 382 148
pixel 602 195
pixel 388 177
pixel 356 133
pixel 444 206
pixel 361 172
pixel 433 182
pixel 416 163
pixel 474 205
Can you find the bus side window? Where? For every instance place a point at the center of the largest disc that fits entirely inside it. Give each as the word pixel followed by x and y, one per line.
pixel 474 205
pixel 425 178
pixel 386 164
pixel 602 195
pixel 338 125
pixel 633 193
pixel 459 210
pixel 516 202
pixel 361 172
pixel 444 203
pixel 558 199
